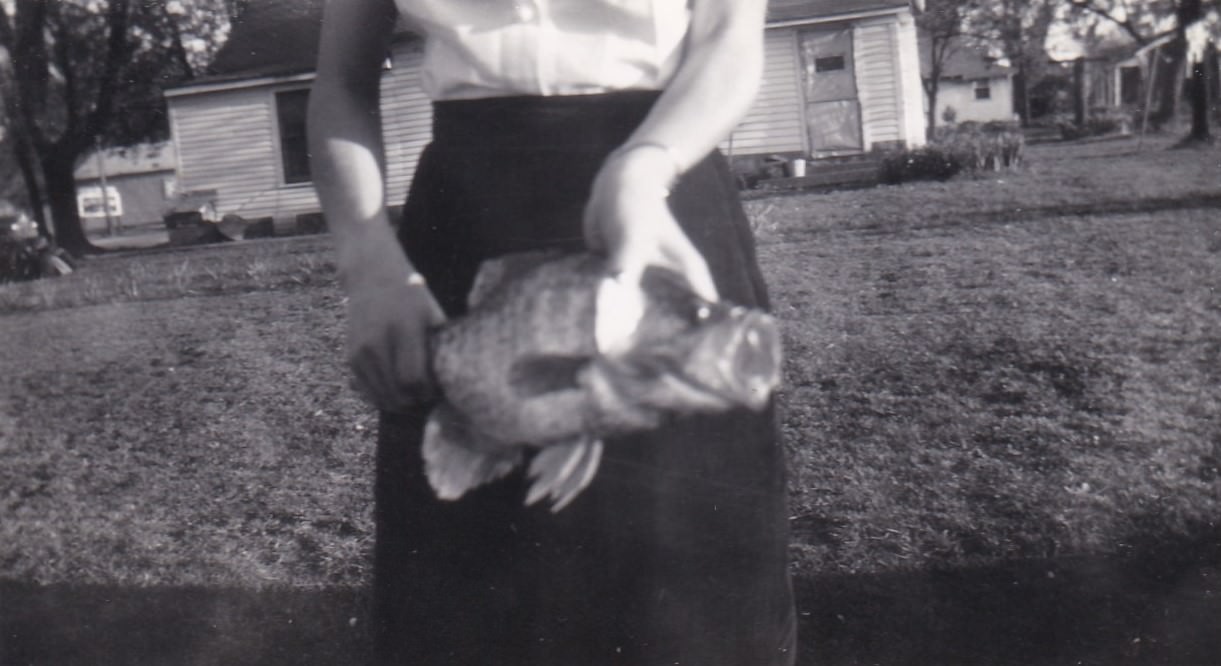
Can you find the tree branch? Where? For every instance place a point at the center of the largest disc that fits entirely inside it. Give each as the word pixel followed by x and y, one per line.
pixel 1126 24
pixel 117 49
pixel 63 60
pixel 30 66
pixel 177 50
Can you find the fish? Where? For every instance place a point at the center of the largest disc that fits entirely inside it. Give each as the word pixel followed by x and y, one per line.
pixel 555 356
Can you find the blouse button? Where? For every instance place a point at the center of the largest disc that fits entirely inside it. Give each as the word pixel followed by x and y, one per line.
pixel 525 10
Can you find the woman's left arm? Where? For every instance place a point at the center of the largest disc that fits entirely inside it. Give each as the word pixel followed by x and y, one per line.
pixel 710 92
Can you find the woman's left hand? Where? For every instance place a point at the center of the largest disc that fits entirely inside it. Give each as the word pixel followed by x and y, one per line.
pixel 628 218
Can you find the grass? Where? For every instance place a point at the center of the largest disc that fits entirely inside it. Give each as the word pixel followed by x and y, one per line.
pixel 974 375
pixel 170 273
pixel 1020 367
pixel 1013 390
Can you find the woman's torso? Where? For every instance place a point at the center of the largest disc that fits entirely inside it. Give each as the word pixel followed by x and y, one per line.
pixel 491 48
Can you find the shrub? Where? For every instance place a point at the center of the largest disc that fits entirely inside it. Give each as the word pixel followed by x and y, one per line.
pixel 963 147
pixel 986 146
pixel 926 163
pixel 1100 122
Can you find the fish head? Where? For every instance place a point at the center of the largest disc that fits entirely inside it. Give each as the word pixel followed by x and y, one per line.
pixel 733 353
pixel 690 355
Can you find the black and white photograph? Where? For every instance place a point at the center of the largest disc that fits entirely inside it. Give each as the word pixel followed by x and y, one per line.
pixel 610 332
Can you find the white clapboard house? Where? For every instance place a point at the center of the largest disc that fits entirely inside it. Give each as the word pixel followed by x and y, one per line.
pixel 971 87
pixel 842 78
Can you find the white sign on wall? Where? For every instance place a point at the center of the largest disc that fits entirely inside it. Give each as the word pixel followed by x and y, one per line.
pixel 89 202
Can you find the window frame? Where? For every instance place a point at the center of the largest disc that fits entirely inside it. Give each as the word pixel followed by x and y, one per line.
pixel 982 86
pixel 299 175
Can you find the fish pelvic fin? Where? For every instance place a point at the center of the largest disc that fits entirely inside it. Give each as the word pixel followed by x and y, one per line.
pixel 561 471
pixel 458 460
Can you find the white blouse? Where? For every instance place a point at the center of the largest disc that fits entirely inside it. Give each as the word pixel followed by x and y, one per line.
pixel 489 48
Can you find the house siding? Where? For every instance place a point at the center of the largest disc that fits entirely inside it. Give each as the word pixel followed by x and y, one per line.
pixel 877 80
pixel 961 96
pixel 406 119
pixel 887 74
pixel 774 122
pixel 911 99
pixel 228 141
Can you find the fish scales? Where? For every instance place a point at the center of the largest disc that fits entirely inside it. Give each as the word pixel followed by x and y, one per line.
pixel 522 369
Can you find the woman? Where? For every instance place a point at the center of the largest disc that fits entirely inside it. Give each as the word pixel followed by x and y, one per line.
pixel 557 124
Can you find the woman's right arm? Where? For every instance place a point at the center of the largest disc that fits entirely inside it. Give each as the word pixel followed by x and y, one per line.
pixel 389 309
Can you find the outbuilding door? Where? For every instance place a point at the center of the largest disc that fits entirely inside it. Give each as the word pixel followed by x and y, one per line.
pixel 833 110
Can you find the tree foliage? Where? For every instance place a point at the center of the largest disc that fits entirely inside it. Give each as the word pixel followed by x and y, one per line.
pixel 1018 29
pixel 76 74
pixel 1141 20
pixel 943 30
pixel 1193 28
pixel 1014 29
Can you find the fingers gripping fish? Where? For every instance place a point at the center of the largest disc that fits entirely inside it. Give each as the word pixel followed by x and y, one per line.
pixel 544 360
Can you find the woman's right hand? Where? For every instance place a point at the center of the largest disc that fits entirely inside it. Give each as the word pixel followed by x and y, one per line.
pixel 390 315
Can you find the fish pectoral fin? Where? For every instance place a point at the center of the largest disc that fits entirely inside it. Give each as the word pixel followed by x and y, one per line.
pixel 454 463
pixel 561 471
pixel 538 375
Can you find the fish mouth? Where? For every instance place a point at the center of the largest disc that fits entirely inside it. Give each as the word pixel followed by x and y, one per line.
pixel 744 361
pixel 753 364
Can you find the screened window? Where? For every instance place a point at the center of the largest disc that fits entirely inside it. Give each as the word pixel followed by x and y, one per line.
pixel 294 151
pixel 829 63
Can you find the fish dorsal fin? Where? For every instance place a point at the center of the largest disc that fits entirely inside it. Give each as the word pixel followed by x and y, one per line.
pixel 495 272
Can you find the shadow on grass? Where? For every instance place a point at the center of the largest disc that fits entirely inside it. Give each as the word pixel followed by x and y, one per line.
pixel 1161 606
pixel 1031 213
pixel 83 624
pixel 1059 210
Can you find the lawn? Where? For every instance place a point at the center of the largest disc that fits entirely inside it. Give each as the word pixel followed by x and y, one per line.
pixel 999 371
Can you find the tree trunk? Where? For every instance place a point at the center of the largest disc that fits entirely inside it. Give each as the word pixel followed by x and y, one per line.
pixel 58 171
pixel 1199 102
pixel 1020 96
pixel 1079 93
pixel 1169 83
pixel 26 161
pixel 932 110
pixel 1214 79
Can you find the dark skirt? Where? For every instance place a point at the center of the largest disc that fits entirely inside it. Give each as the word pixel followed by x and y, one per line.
pixel 677 551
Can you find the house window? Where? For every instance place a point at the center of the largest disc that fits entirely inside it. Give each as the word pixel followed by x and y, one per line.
pixel 294 151
pixel 983 89
pixel 91 204
pixel 829 63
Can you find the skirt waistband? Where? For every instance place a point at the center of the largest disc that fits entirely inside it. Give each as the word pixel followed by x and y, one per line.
pixel 592 122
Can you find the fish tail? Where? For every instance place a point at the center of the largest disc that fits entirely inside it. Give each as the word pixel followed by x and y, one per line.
pixel 455 463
